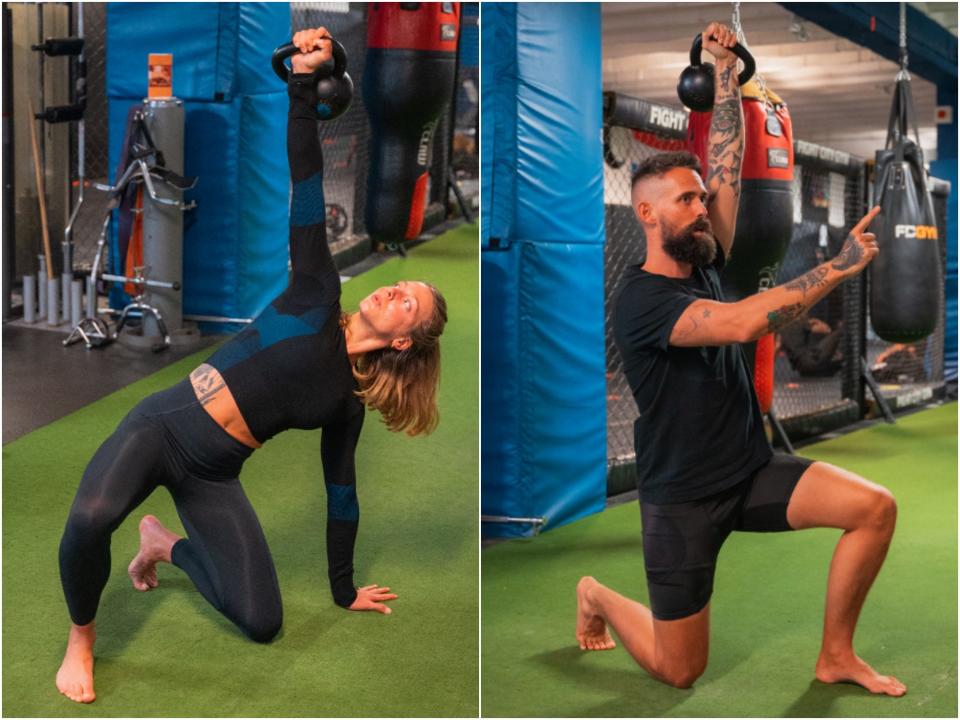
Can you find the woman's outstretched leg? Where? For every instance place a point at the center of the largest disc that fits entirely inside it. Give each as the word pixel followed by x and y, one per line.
pixel 122 473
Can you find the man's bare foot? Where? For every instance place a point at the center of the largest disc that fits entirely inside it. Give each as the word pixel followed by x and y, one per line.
pixel 850 668
pixel 156 543
pixel 592 631
pixel 75 676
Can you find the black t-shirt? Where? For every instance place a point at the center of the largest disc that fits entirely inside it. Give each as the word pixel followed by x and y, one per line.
pixel 700 429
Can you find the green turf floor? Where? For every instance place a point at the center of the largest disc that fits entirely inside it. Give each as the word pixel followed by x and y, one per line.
pixel 766 610
pixel 167 653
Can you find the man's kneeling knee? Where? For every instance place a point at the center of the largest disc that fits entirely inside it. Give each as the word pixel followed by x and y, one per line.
pixel 682 678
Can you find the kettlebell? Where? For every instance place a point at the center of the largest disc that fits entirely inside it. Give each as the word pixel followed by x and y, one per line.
pixel 334 85
pixel 696 86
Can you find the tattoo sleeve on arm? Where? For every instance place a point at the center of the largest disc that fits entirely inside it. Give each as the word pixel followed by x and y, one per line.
pixel 726 145
pixel 815 278
pixel 783 316
pixel 850 255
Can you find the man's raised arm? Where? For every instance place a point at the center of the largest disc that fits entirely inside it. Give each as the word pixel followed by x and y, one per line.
pixel 725 148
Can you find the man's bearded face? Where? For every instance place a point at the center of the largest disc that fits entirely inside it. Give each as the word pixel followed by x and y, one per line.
pixel 693 244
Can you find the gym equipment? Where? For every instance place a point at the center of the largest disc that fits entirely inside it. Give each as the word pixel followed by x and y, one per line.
pixel 71 47
pixel 161 312
pixel 906 279
pixel 408 81
pixel 42 287
pixel 334 84
pixel 53 303
pixel 337 220
pixel 542 267
pixel 93 331
pixel 29 298
pixel 696 87
pixel 41 192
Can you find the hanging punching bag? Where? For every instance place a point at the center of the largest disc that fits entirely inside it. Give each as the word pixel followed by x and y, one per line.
pixel 906 279
pixel 765 214
pixel 408 80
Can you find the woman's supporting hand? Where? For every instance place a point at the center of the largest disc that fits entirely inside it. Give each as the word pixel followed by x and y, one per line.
pixel 315 49
pixel 373 597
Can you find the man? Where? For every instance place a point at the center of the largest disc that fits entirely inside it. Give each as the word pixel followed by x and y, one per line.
pixel 704 464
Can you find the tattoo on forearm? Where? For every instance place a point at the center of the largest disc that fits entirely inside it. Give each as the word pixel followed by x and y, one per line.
pixel 850 255
pixel 706 313
pixel 783 316
pixel 725 76
pixel 726 144
pixel 207 382
pixel 815 278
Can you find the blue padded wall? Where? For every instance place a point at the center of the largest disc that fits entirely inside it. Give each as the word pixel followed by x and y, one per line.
pixel 235 242
pixel 543 442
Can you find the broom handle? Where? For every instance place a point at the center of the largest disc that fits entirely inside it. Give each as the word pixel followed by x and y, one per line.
pixel 40 191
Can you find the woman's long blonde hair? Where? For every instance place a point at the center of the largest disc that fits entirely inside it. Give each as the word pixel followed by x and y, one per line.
pixel 402 384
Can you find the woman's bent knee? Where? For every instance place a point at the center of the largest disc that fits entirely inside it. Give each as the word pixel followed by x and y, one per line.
pixel 262 631
pixel 260 624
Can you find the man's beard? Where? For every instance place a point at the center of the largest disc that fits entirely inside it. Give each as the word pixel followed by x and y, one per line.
pixel 687 246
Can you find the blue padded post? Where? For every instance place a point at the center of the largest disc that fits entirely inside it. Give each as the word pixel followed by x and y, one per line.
pixel 235 242
pixel 544 394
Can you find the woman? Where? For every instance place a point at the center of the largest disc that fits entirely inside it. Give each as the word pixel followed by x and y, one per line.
pixel 303 363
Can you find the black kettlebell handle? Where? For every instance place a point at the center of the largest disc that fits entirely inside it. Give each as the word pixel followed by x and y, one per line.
pixel 289 49
pixel 749 64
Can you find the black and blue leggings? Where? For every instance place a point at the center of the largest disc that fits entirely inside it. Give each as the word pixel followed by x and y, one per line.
pixel 168 439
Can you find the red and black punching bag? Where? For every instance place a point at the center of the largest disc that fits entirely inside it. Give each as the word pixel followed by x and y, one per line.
pixel 408 80
pixel 906 279
pixel 765 215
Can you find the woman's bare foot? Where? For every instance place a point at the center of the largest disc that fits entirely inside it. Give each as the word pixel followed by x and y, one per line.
pixel 75 676
pixel 592 633
pixel 156 544
pixel 850 668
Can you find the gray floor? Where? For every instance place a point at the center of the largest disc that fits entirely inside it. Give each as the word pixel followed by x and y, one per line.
pixel 43 381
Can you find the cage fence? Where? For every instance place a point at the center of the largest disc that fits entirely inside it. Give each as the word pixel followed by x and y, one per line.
pixel 818 379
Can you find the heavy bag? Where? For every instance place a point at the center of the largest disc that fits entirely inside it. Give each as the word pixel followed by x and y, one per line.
pixel 408 81
pixel 906 279
pixel 765 214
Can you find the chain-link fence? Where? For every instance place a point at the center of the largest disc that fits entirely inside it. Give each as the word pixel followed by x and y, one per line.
pixel 818 377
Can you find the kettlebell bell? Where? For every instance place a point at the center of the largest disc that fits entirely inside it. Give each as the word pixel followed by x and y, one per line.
pixel 334 85
pixel 696 86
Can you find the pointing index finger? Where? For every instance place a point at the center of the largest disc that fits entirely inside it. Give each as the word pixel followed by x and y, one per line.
pixel 867 219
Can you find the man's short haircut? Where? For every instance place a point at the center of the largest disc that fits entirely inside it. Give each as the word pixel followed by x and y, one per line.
pixel 658 164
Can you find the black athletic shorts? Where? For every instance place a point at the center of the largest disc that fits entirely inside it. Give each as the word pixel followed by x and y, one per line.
pixel 681 541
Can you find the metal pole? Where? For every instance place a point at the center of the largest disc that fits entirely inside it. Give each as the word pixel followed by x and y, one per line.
pixel 9 241
pixel 42 286
pixel 29 298
pixel 76 302
pixel 66 279
pixel 53 300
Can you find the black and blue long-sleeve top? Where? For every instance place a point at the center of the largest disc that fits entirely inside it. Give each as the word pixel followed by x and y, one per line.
pixel 289 368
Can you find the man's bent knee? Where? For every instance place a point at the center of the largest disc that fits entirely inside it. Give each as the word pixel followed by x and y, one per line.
pixel 682 678
pixel 881 514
